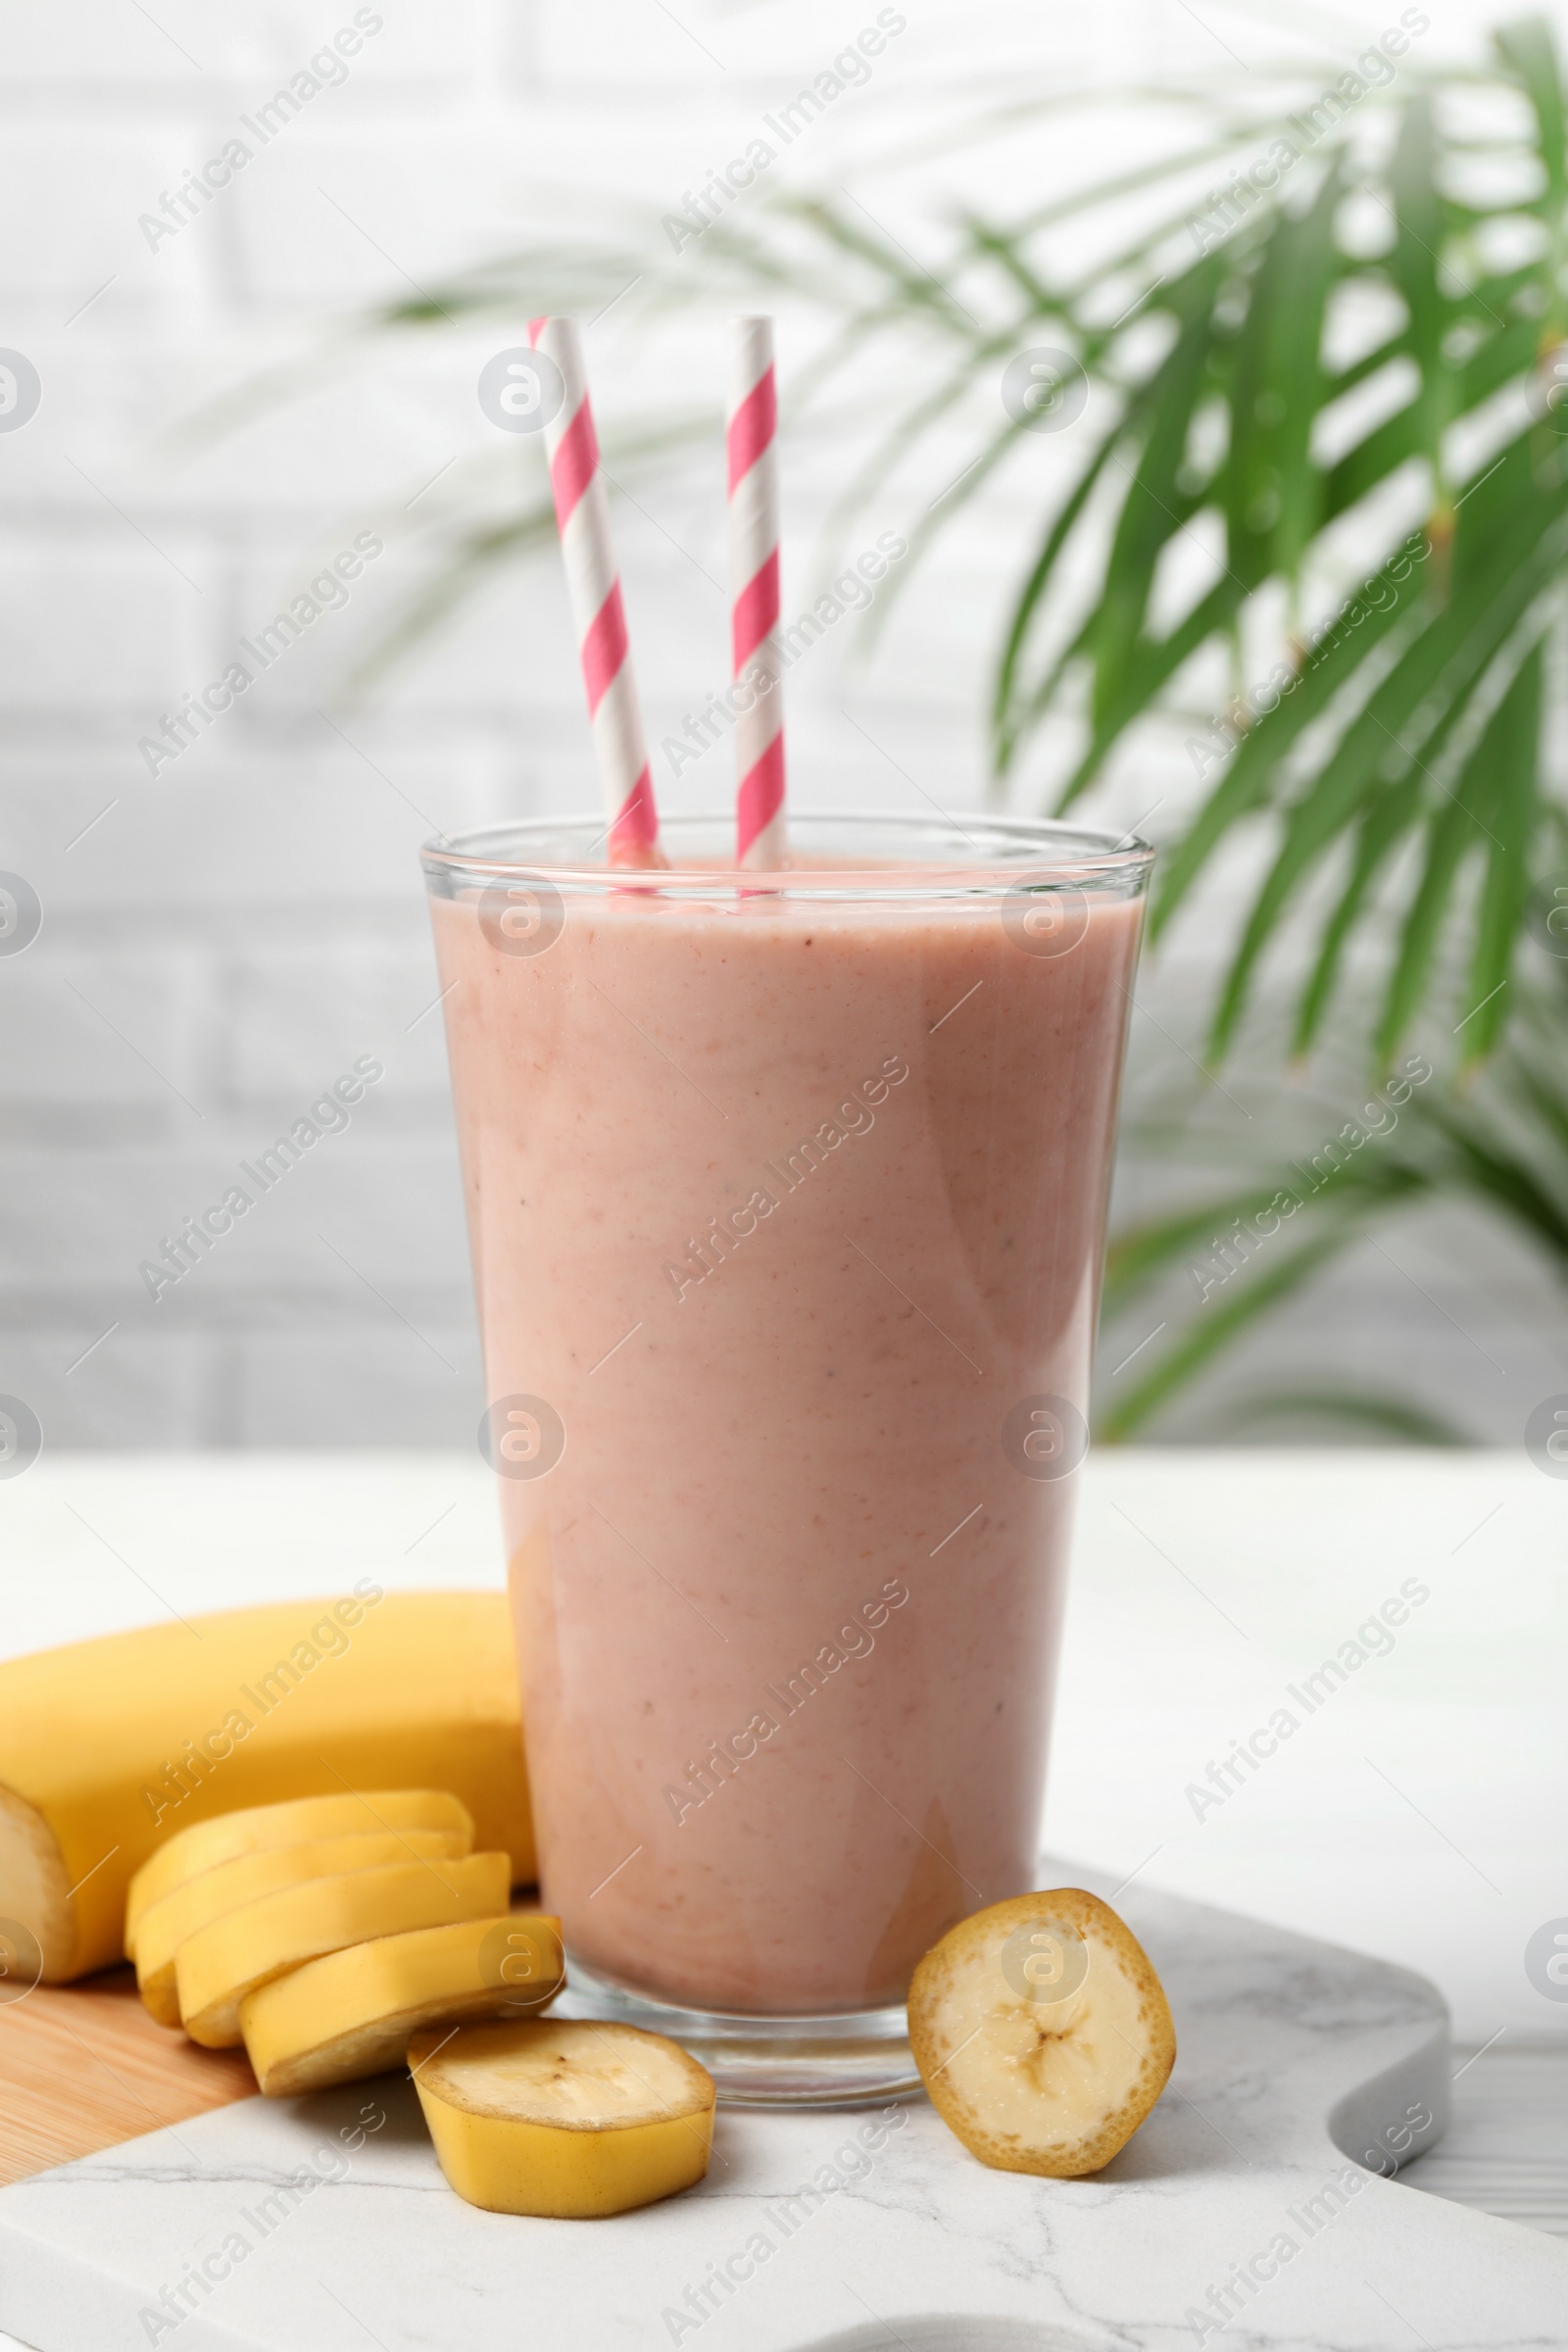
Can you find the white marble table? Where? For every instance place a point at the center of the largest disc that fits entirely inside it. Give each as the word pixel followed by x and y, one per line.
pixel 1416 1814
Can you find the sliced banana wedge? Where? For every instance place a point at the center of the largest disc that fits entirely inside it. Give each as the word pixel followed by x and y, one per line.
pixel 216 1968
pixel 259 1829
pixel 562 2117
pixel 165 1926
pixel 1042 2032
pixel 352 2013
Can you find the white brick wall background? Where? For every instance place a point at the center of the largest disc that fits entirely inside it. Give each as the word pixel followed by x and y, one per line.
pixel 220 942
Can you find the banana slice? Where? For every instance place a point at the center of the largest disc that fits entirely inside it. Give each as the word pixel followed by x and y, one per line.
pixel 260 1829
pixel 354 2012
pixel 218 1966
pixel 165 1926
pixel 1042 2032
pixel 563 2118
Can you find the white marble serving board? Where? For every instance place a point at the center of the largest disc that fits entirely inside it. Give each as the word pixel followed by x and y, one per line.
pixel 1236 2203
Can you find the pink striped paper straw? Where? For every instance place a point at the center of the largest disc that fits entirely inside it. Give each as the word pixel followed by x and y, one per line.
pixel 753 452
pixel 592 583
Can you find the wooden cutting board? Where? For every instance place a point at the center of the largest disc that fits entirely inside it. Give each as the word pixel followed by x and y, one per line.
pixel 83 2067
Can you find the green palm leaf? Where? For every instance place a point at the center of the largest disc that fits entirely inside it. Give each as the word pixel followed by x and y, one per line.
pixel 1218 1328
pixel 1387 605
pixel 1514 738
pixel 1402 677
pixel 1363 1408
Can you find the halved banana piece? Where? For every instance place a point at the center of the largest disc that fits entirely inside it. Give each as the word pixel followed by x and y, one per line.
pixel 163 1927
pixel 563 2118
pixel 259 1829
pixel 217 1968
pixel 1042 2032
pixel 354 2012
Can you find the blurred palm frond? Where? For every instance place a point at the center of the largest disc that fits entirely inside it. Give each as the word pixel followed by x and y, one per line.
pixel 1308 390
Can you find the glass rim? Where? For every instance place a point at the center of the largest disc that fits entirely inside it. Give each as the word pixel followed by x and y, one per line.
pixel 948 855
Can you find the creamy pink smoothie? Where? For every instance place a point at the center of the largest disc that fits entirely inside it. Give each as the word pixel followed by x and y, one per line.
pixel 781 1209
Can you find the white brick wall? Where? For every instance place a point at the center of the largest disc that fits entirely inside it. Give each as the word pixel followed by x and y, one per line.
pixel 220 940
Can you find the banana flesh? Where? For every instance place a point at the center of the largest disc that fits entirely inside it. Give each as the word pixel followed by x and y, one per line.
pixel 265 1830
pixel 355 2012
pixel 229 1886
pixel 218 1966
pixel 1042 2032
pixel 563 2118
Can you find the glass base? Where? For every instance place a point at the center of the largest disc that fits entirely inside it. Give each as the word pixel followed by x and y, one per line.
pixel 858 2060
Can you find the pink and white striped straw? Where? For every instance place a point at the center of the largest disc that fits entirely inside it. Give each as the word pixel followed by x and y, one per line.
pixel 592 583
pixel 752 441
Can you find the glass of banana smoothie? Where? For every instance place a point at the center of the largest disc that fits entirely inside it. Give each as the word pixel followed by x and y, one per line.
pixel 786 1199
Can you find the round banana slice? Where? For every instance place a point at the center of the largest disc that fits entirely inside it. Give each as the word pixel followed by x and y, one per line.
pixel 563 2118
pixel 258 1829
pixel 1042 2032
pixel 354 2012
pixel 165 1926
pixel 218 1966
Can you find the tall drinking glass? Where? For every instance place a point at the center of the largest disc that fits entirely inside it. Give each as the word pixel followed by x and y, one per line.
pixel 786 1196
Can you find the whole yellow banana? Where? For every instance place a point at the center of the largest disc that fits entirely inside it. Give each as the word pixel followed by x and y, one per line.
pixel 109 1747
